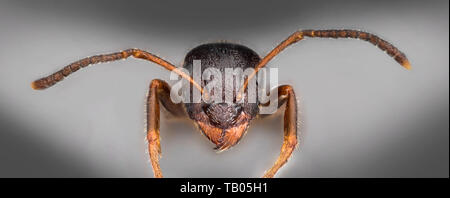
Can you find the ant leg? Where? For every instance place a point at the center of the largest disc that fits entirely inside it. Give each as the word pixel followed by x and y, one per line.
pixel 159 92
pixel 286 96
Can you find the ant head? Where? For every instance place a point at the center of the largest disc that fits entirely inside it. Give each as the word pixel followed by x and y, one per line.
pixel 223 123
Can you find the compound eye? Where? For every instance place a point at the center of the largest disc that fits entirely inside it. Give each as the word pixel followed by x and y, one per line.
pixel 222 115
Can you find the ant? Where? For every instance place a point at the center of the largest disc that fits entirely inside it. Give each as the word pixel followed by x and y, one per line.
pixel 224 124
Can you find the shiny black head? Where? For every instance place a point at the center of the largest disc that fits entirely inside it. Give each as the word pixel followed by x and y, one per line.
pixel 220 56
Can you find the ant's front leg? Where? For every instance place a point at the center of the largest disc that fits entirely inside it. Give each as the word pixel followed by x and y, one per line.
pixel 159 92
pixel 286 96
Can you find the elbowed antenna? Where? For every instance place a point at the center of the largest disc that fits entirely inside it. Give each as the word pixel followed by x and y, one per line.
pixel 54 78
pixel 390 49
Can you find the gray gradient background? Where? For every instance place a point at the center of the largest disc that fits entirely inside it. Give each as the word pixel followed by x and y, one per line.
pixel 362 114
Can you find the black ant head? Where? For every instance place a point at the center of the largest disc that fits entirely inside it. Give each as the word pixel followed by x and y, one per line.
pixel 223 123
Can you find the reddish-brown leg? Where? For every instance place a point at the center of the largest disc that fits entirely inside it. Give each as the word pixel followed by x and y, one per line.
pixel 159 92
pixel 286 96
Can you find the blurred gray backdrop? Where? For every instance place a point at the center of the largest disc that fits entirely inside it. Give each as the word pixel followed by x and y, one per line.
pixel 362 114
